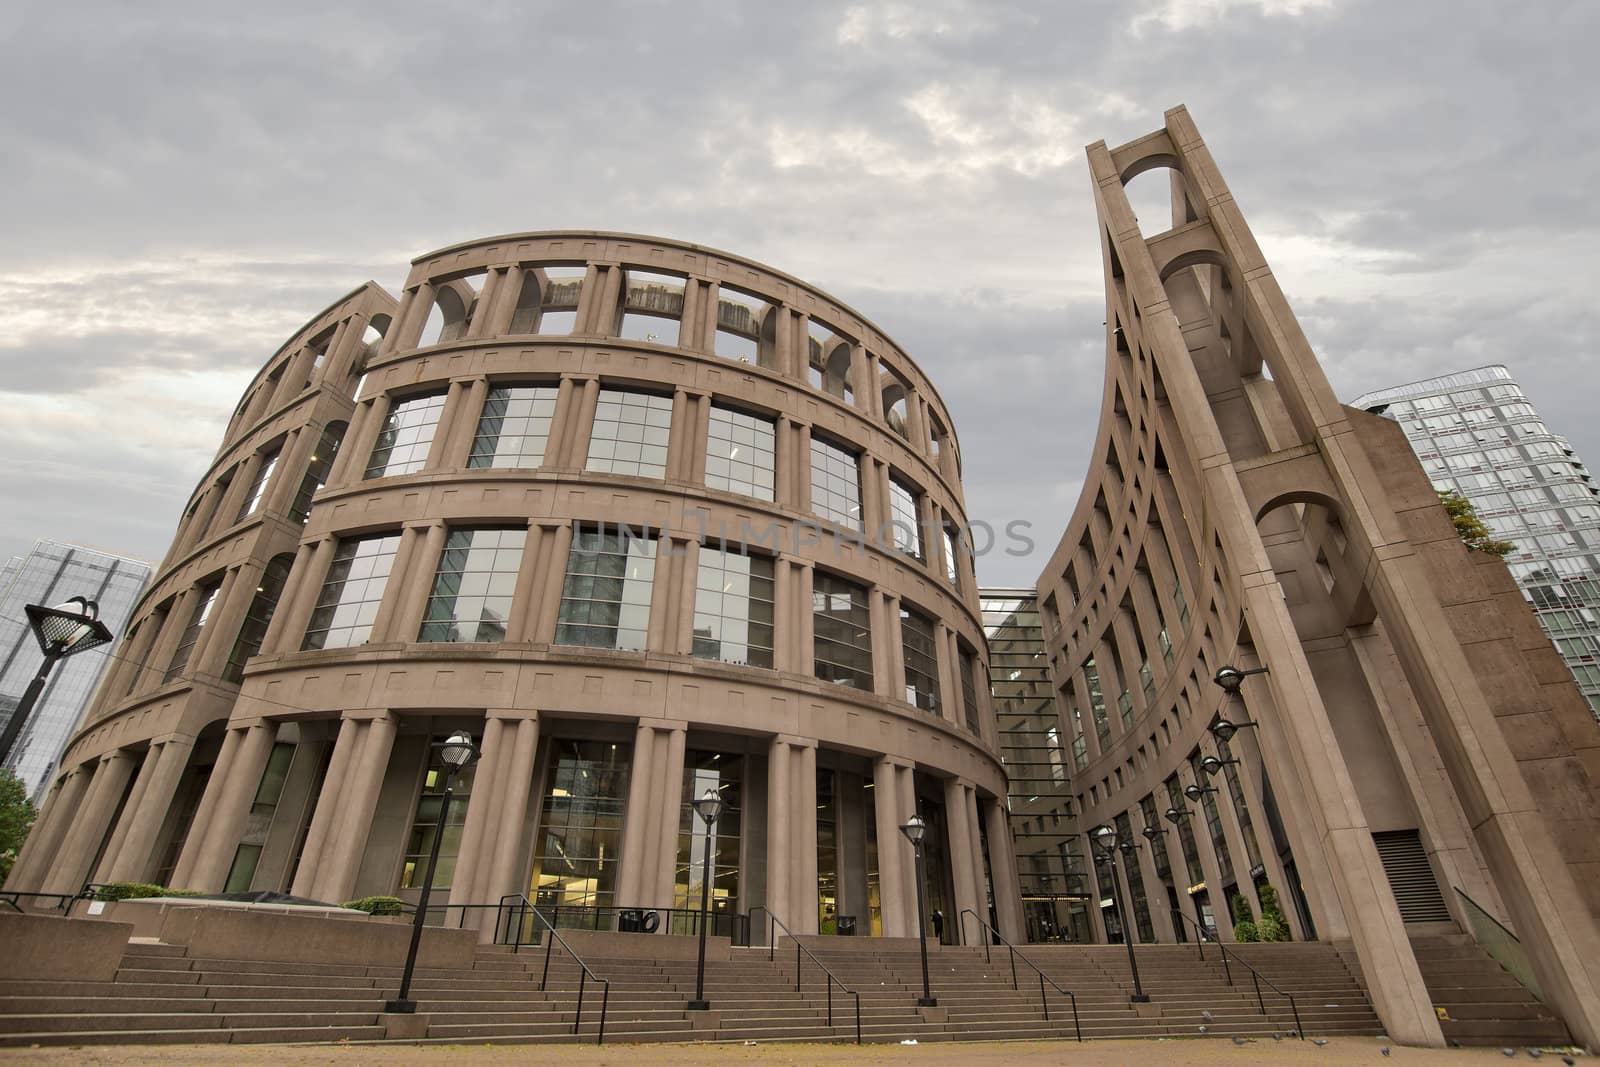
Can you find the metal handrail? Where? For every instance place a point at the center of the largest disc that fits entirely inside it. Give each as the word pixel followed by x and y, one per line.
pixel 772 942
pixel 523 907
pixel 995 935
pixel 1256 977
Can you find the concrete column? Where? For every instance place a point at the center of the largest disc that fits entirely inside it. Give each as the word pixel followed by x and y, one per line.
pixel 949 675
pixel 55 819
pixel 414 578
pixel 172 628
pixel 135 860
pixel 227 824
pixel 784 469
pixel 802 468
pixel 547 589
pixel 460 425
pixel 1003 868
pixel 869 393
pixel 906 787
pixel 655 791
pixel 478 836
pixel 803 822
pixel 882 624
pixel 119 833
pixel 358 801
pixel 605 312
pixel 519 627
pixel 696 443
pixel 238 592
pixel 780 872
pixel 588 300
pixel 1212 868
pixel 916 424
pixel 576 446
pixel 1155 893
pixel 88 831
pixel 893 648
pixel 894 854
pixel 366 420
pixel 325 817
pixel 200 826
pixel 681 632
pixel 509 826
pixel 958 828
pixel 286 632
pixel 861 378
pixel 874 501
pixel 982 888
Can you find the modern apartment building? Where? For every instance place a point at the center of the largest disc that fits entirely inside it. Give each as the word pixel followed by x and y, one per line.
pixel 1477 433
pixel 49 574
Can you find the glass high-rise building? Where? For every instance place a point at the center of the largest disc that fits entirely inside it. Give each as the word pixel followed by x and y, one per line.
pixel 1475 432
pixel 50 574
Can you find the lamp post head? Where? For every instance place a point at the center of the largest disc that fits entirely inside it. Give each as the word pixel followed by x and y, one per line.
pixel 1212 766
pixel 1195 792
pixel 1229 677
pixel 458 751
pixel 1223 730
pixel 1151 832
pixel 709 806
pixel 1104 836
pixel 1175 815
pixel 915 830
pixel 68 627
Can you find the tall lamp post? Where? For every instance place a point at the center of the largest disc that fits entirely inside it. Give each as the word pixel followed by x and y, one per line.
pixel 1105 838
pixel 708 807
pixel 915 830
pixel 61 631
pixel 456 753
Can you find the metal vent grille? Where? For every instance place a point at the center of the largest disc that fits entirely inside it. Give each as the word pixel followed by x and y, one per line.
pixel 1411 878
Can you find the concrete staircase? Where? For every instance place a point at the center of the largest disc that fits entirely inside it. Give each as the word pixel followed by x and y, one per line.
pixel 161 996
pixel 1485 1004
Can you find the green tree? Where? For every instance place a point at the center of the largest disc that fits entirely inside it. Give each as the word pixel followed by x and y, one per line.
pixel 1272 926
pixel 1244 925
pixel 16 816
pixel 1471 529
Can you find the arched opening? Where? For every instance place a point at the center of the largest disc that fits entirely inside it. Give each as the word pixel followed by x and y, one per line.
pixel 454 304
pixel 897 404
pixel 651 307
pixel 828 362
pixel 548 300
pixel 1158 195
pixel 747 328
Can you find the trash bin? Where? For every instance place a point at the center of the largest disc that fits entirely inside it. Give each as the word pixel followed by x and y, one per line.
pixel 845 925
pixel 630 921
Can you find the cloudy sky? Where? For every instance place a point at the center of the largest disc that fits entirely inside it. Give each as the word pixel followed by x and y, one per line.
pixel 186 185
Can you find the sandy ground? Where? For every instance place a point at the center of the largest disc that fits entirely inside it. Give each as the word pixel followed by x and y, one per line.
pixel 941 1054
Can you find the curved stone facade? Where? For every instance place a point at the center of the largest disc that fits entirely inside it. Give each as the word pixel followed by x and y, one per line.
pixel 1399 758
pixel 642 517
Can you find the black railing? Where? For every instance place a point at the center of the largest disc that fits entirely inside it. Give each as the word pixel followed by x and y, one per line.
pixel 773 925
pixel 525 908
pixel 680 921
pixel 1257 979
pixel 61 902
pixel 996 938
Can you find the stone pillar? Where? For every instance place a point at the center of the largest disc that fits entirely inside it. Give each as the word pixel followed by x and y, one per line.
pixel 949 674
pixel 286 632
pixel 655 799
pixel 325 816
pixel 546 593
pixel 508 818
pixel 1155 893
pixel 478 835
pixel 211 867
pixel 780 879
pixel 802 467
pixel 342 858
pixel 803 822
pixel 894 852
pixel 575 453
pixel 88 831
pixel 135 860
pixel 200 826
pixel 119 833
pixel 40 850
pixel 1003 869
pixel 459 421
pixel 958 827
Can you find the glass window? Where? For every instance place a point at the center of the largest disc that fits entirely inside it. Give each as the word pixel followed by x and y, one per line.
pixel 733 607
pixel 258 486
pixel 651 308
pixel 969 689
pixel 204 600
pixel 472 591
pixel 259 617
pixel 951 567
pixel 407 433
pixel 351 593
pixel 906 517
pixel 740 451
pixel 835 483
pixel 317 471
pixel 722 773
pixel 514 427
pixel 425 824
pixel 922 660
pixel 580 831
pixel 630 433
pixel 605 602
pixel 842 632
pixel 1097 704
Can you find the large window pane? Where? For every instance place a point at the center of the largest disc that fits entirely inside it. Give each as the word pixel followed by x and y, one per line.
pixel 472 590
pixel 317 470
pixel 204 601
pixel 722 773
pixel 605 602
pixel 258 486
pixel 733 607
pixel 842 625
pixel 905 515
pixel 1097 704
pixel 630 433
pixel 922 660
pixel 351 593
pixel 740 453
pixel 580 830
pixel 262 607
pixel 514 427
pixel 407 433
pixel 969 689
pixel 835 483
pixel 425 824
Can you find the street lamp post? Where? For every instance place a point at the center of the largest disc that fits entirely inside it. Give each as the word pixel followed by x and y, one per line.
pixel 915 830
pixel 1105 837
pixel 61 631
pixel 708 807
pixel 456 753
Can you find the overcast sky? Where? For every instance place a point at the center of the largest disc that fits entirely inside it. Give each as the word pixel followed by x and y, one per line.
pixel 185 185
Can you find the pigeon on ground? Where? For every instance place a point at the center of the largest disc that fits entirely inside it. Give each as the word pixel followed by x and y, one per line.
pixel 1508 1052
pixel 1536 1052
pixel 1319 1042
pixel 1206 1015
pixel 1385 1050
pixel 1202 1029
pixel 1277 1036
pixel 1240 1041
pixel 1568 1060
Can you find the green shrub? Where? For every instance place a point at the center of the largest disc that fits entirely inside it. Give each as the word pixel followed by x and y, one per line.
pixel 1273 926
pixel 376 905
pixel 1244 925
pixel 139 891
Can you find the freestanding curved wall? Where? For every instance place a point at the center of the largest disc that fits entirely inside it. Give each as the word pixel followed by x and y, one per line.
pixel 1393 757
pixel 643 518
